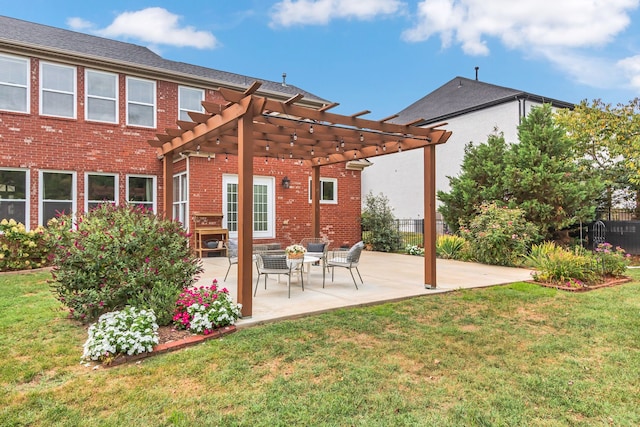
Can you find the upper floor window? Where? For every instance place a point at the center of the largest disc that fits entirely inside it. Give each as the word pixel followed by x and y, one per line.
pixel 189 99
pixel 14 84
pixel 57 90
pixel 328 190
pixel 102 96
pixel 141 102
pixel 14 195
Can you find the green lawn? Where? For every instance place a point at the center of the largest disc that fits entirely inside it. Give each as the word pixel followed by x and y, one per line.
pixel 512 355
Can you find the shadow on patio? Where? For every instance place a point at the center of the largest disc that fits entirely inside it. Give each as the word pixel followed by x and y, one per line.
pixel 387 277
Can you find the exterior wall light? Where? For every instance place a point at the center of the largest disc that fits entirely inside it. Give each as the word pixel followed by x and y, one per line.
pixel 286 182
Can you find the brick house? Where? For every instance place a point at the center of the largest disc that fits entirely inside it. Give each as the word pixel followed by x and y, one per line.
pixel 77 112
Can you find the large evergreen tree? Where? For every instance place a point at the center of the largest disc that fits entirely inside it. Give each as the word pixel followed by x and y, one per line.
pixel 481 179
pixel 542 175
pixel 539 175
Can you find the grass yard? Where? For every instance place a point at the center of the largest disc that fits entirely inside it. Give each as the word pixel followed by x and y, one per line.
pixel 511 355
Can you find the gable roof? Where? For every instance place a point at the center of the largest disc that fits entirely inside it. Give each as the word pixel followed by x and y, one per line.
pixel 33 38
pixel 460 96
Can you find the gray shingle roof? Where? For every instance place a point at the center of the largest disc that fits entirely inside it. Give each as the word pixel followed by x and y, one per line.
pixel 460 96
pixel 14 31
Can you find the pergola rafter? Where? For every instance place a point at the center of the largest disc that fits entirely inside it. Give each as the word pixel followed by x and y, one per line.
pixel 249 125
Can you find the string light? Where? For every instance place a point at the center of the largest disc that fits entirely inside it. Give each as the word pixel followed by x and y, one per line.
pixel 290 154
pixel 384 147
pixel 217 141
pixel 226 157
pixel 312 151
pixel 267 147
pixel 399 148
pixel 342 142
pixel 310 128
pixel 198 149
pixel 291 142
pixel 376 149
pixel 209 158
pixel 361 137
pixel 295 136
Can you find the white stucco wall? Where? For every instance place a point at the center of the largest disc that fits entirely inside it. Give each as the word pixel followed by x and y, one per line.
pixel 400 176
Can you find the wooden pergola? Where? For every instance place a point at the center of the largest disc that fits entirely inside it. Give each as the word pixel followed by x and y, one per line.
pixel 249 126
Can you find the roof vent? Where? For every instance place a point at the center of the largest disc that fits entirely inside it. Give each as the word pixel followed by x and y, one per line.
pixel 284 79
pixel 477 68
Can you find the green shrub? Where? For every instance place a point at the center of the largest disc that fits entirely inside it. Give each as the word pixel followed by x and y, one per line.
pixel 379 226
pixel 115 256
pixel 414 250
pixel 566 266
pixel 613 262
pixel 450 246
pixel 21 249
pixel 540 252
pixel 498 235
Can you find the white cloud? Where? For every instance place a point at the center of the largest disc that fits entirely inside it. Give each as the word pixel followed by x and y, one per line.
pixel 153 25
pixel 564 32
pixel 288 13
pixel 521 24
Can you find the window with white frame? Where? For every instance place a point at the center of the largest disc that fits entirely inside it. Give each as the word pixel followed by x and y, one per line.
pixel 102 96
pixel 141 102
pixel 141 191
pixel 14 84
pixel 100 188
pixel 180 198
pixel 263 205
pixel 14 193
pixel 57 195
pixel 57 90
pixel 328 190
pixel 189 99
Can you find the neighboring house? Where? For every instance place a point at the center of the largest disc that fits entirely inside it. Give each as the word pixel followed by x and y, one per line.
pixel 77 112
pixel 473 110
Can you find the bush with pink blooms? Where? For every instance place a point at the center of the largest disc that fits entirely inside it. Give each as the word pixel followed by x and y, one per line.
pixel 206 308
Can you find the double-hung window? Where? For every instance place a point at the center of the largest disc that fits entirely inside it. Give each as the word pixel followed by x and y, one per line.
pixel 263 205
pixel 57 90
pixel 141 191
pixel 189 99
pixel 141 102
pixel 102 96
pixel 14 193
pixel 57 195
pixel 328 190
pixel 14 84
pixel 100 188
pixel 180 198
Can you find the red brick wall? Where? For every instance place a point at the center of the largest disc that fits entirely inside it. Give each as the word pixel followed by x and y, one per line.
pixel 48 143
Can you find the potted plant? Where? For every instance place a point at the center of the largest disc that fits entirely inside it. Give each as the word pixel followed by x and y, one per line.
pixel 295 251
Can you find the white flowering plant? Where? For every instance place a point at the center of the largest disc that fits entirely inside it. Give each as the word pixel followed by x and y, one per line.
pixel 295 249
pixel 129 331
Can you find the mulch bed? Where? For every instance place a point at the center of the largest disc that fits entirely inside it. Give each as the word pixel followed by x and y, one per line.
pixel 609 282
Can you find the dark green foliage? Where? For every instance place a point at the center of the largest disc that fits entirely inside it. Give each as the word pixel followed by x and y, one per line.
pixel 378 220
pixel 116 256
pixel 481 179
pixel 539 174
pixel 543 178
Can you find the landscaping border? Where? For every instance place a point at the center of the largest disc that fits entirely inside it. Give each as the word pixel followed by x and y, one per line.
pixel 584 288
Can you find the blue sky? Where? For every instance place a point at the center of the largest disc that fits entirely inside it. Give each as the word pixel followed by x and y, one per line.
pixel 381 55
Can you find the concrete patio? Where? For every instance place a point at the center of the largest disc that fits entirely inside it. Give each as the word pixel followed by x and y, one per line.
pixel 387 277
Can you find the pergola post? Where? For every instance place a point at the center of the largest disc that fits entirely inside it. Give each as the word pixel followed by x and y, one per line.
pixel 167 185
pixel 430 217
pixel 245 213
pixel 315 201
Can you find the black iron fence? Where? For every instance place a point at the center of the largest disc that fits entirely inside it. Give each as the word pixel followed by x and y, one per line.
pixel 412 230
pixel 625 234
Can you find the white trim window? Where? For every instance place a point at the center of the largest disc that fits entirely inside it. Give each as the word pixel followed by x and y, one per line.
pixel 57 90
pixel 100 188
pixel 14 84
pixel 189 99
pixel 263 205
pixel 181 198
pixel 141 191
pixel 102 96
pixel 328 191
pixel 141 102
pixel 14 194
pixel 57 194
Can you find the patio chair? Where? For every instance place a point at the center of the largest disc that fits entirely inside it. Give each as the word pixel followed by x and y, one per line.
pixel 275 264
pixel 347 259
pixel 317 247
pixel 232 255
